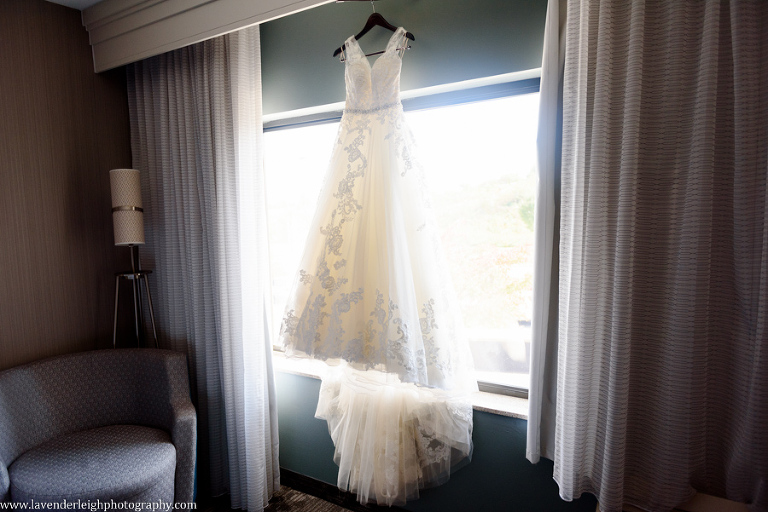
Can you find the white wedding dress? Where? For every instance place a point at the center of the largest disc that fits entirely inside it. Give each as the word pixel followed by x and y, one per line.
pixel 373 299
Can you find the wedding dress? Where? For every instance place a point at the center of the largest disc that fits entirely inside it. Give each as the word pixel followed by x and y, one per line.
pixel 373 299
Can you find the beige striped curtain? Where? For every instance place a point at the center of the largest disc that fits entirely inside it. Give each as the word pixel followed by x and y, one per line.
pixel 662 363
pixel 196 136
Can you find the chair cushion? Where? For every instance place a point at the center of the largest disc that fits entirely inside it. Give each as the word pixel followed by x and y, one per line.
pixel 119 462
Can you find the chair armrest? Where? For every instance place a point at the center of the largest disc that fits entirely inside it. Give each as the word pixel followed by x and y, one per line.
pixel 164 402
pixel 184 438
pixel 5 484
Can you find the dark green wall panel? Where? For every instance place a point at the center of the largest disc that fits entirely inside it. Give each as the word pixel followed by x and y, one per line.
pixel 499 478
pixel 455 40
pixel 305 444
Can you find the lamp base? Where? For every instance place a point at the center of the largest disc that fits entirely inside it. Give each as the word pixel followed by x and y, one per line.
pixel 136 276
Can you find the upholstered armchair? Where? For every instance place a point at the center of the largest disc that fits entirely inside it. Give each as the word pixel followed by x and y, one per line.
pixel 103 425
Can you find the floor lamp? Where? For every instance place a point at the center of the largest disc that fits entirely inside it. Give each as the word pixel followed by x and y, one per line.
pixel 128 224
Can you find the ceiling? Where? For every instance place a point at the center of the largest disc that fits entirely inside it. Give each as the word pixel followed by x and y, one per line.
pixel 76 4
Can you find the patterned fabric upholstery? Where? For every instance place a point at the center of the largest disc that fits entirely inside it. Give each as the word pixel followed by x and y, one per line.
pixel 119 462
pixel 43 400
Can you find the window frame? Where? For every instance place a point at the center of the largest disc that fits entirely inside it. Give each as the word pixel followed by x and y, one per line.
pixel 471 91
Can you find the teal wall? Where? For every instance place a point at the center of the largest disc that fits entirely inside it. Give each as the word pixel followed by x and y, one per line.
pixel 499 478
pixel 455 40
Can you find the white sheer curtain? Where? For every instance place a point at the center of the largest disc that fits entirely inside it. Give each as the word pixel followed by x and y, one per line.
pixel 196 136
pixel 543 386
pixel 662 385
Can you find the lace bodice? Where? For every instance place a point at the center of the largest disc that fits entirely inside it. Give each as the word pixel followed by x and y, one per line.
pixel 371 87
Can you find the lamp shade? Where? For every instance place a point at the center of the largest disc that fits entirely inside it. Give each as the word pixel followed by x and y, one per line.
pixel 127 211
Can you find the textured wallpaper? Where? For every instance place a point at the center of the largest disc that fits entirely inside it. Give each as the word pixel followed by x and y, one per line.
pixel 62 127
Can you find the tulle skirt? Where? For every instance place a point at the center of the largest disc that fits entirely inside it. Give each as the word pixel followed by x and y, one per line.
pixel 392 438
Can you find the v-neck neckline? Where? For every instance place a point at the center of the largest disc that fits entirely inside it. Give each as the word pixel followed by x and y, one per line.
pixel 387 50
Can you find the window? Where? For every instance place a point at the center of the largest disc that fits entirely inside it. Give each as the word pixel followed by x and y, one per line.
pixel 479 159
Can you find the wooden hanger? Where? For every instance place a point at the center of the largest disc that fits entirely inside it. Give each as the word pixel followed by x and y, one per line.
pixel 374 20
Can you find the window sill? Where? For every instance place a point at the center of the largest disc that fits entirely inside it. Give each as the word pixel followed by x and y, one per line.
pixel 492 403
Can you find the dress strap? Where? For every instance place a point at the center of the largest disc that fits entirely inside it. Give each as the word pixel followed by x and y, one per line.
pixel 397 40
pixel 351 49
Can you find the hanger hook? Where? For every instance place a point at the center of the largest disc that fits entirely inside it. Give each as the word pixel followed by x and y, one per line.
pixel 373 6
